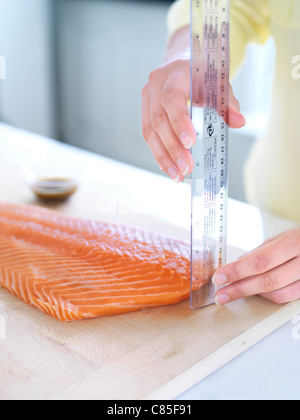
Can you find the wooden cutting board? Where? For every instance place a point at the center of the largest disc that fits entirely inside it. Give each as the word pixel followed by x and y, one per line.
pixel 151 354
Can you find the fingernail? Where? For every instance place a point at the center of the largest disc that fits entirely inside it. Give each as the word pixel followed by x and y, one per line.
pixel 186 139
pixel 221 300
pixel 183 166
pixel 174 174
pixel 219 279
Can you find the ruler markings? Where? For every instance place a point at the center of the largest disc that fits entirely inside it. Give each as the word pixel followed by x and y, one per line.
pixel 209 99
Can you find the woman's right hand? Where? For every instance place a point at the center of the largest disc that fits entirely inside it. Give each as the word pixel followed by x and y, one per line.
pixel 167 126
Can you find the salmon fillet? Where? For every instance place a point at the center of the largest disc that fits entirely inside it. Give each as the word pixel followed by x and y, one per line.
pixel 75 269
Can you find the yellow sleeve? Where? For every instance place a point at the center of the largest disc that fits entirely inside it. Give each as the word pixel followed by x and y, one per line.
pixel 286 13
pixel 178 16
pixel 250 22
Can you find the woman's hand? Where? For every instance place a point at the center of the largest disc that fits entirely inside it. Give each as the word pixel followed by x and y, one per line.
pixel 271 271
pixel 167 127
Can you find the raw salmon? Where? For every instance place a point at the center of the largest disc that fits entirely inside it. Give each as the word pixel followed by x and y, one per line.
pixel 76 269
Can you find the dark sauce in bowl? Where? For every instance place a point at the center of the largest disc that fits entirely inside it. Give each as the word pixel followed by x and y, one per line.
pixel 54 188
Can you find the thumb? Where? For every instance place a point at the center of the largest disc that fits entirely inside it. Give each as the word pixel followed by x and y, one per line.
pixel 236 119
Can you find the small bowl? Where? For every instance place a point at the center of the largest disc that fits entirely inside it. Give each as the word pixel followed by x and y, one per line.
pixel 54 181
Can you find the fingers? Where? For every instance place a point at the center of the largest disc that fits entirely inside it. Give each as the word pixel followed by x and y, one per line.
pixel 259 261
pixel 271 270
pixel 284 295
pixel 164 129
pixel 174 99
pixel 158 149
pixel 167 127
pixel 270 284
pixel 236 119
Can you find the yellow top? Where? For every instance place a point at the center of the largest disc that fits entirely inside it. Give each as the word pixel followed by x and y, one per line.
pixel 272 172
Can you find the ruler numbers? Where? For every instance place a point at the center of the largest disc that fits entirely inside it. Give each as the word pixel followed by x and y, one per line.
pixel 209 180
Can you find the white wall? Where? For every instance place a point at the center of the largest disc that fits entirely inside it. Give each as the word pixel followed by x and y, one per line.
pixel 106 51
pixel 252 87
pixel 26 98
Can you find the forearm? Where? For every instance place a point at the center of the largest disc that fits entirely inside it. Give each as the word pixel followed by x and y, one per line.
pixel 179 46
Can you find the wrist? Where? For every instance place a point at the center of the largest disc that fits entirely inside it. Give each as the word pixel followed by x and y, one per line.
pixel 179 47
pixel 177 55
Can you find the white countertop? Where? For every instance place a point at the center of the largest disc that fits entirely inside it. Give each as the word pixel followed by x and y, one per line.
pixel 270 370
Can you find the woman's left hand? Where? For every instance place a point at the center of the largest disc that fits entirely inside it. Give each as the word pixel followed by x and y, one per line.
pixel 271 271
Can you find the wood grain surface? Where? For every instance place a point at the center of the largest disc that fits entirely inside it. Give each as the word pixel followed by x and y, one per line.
pixel 151 354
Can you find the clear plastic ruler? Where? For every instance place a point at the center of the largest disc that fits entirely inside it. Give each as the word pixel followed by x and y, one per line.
pixel 210 38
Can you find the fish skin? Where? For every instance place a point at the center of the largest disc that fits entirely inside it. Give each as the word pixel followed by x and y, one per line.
pixel 74 269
